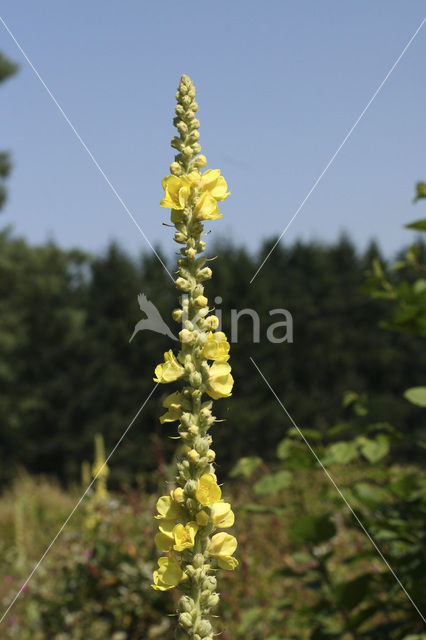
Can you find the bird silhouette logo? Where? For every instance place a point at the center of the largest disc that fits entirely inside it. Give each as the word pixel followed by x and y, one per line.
pixel 153 320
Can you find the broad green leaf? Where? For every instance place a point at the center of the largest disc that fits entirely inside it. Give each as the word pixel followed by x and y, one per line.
pixel 312 529
pixel 310 434
pixel 350 594
pixel 418 225
pixel 284 448
pixel 341 453
pixel 245 467
pixel 272 484
pixel 369 494
pixel 375 450
pixel 416 395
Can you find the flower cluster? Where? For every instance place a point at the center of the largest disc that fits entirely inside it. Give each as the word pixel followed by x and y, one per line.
pixel 190 517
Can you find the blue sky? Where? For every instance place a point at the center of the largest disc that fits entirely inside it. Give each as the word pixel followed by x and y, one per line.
pixel 279 85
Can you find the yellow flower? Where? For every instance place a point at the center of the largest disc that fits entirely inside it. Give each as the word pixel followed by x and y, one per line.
pixel 206 208
pixel 184 536
pixel 222 515
pixel 216 347
pixel 168 508
pixel 222 546
pixel 208 491
pixel 169 574
pixel 173 404
pixel 169 370
pixel 220 380
pixel 215 184
pixel 163 542
pixel 177 192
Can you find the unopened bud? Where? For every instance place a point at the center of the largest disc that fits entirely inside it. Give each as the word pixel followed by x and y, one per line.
pixel 193 455
pixel 200 161
pixel 211 455
pixel 186 336
pixel 186 151
pixel 178 495
pixel 204 628
pixel 195 379
pixel 176 169
pixel 201 301
pixel 213 600
pixel 183 284
pixel 185 619
pixel 195 147
pixel 177 315
pixel 212 322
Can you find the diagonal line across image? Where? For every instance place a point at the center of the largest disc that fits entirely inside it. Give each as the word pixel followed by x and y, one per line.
pixel 86 148
pixel 333 482
pixel 339 148
pixel 78 503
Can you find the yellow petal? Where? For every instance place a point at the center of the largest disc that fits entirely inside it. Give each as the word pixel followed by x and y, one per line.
pixel 208 491
pixel 169 574
pixel 222 515
pixel 216 347
pixel 163 542
pixel 169 370
pixel 168 508
pixel 227 562
pixel 220 381
pixel 206 208
pixel 222 544
pixel 184 536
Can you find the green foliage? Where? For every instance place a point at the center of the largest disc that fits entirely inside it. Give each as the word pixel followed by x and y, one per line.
pixel 416 395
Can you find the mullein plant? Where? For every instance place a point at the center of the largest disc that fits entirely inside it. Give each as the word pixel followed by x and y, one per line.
pixel 98 497
pixel 190 517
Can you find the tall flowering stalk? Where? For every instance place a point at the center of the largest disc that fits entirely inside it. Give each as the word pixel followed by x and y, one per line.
pixel 189 517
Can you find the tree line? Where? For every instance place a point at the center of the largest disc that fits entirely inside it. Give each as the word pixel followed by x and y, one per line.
pixel 68 371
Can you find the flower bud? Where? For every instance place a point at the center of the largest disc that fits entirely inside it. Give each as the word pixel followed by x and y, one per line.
pixel 191 253
pixel 180 237
pixel 212 323
pixel 196 148
pixel 195 379
pixel 194 107
pixel 190 488
pixel 182 128
pixel 201 301
pixel 177 143
pixel 186 336
pixel 204 628
pixel 178 495
pixel 204 274
pixel 198 560
pixel 185 619
pixel 211 455
pixel 177 315
pixel 182 284
pixel 193 455
pixel 213 600
pixel 186 101
pixel 176 169
pixel 200 161
pixel 203 312
pixel 186 151
pixel 186 604
pixel 179 110
pixel 194 136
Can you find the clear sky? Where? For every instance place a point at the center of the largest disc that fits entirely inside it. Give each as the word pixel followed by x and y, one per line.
pixel 279 85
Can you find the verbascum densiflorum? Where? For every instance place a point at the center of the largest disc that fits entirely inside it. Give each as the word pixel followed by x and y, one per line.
pixel 191 517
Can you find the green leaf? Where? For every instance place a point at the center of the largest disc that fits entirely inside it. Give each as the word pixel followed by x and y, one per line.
pixel 284 448
pixel 312 529
pixel 341 453
pixel 375 450
pixel 416 395
pixel 350 594
pixel 310 434
pixel 418 225
pixel 245 467
pixel 272 484
pixel 420 191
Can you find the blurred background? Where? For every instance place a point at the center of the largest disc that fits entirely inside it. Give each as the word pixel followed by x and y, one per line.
pixel 279 87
